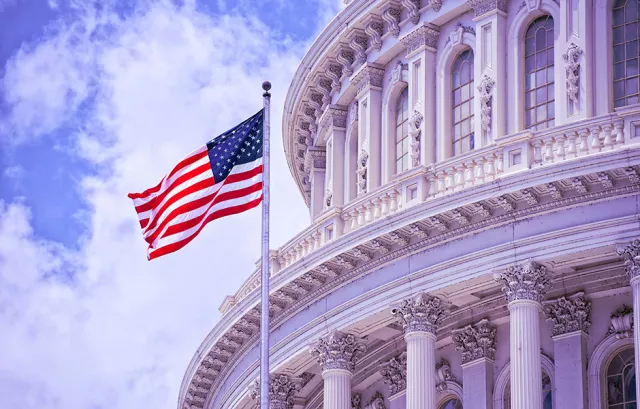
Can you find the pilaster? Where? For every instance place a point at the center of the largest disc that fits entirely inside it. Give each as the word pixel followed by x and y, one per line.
pixel 477 344
pixel 525 287
pixel 490 69
pixel 315 164
pixel 368 82
pixel 631 256
pixel 334 121
pixel 421 46
pixel 571 318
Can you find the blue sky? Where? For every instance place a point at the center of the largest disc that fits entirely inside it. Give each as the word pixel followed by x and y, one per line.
pixel 99 99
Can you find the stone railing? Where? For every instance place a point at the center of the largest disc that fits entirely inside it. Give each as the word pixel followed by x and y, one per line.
pixel 510 154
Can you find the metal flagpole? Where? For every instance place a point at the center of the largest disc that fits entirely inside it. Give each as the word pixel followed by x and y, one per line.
pixel 264 281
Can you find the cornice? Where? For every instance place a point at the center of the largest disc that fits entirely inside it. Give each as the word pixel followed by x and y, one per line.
pixel 325 283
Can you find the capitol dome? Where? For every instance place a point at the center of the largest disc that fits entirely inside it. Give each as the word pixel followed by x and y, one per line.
pixel 472 172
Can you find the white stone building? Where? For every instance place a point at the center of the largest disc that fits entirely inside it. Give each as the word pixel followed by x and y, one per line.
pixel 472 170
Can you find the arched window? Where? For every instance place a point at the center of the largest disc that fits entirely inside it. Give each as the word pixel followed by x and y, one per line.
pixel 547 398
pixel 453 403
pixel 538 68
pixel 625 52
pixel 621 381
pixel 462 102
pixel 402 131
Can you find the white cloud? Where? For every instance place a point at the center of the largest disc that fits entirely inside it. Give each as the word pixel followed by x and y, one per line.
pixel 101 326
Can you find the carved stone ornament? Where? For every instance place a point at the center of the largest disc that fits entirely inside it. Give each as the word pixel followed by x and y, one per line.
pixel 353 114
pixel 361 172
pixel 622 322
pixel 413 8
pixel 481 7
pixel 346 58
pixel 368 76
pixel 456 35
pixel 528 281
pixel 443 374
pixel 396 73
pixel 328 196
pixel 485 88
pixel 572 69
pixel 424 36
pixel 394 373
pixel 392 17
pixel 356 400
pixel 282 390
pixel 359 43
pixel 569 314
pixel 631 256
pixel 334 72
pixel 338 351
pixel 423 313
pixel 436 5
pixel 375 30
pixel 414 133
pixel 376 402
pixel 315 158
pixel 334 116
pixel 476 341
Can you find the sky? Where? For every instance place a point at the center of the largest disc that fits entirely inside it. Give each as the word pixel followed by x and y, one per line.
pixel 99 98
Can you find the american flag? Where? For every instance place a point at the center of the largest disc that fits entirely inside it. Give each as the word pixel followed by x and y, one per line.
pixel 222 178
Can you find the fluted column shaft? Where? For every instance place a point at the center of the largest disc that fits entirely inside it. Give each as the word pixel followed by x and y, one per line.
pixel 421 377
pixel 635 286
pixel 526 375
pixel 337 389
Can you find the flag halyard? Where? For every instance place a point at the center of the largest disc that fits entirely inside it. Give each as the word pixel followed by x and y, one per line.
pixel 221 178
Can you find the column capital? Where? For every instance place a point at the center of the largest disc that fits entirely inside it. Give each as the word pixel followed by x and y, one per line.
pixel 394 373
pixel 315 158
pixel 335 116
pixel 528 281
pixel 631 256
pixel 282 390
pixel 423 313
pixel 423 37
pixel 338 350
pixel 368 76
pixel 482 7
pixel 569 314
pixel 476 341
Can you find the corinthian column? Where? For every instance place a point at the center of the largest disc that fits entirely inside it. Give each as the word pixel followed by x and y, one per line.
pixel 282 390
pixel 337 354
pixel 631 256
pixel 524 287
pixel 420 318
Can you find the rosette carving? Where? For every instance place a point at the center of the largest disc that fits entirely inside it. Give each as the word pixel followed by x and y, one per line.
pixel 338 351
pixel 394 373
pixel 631 256
pixel 569 314
pixel 476 341
pixel 422 313
pixel 528 281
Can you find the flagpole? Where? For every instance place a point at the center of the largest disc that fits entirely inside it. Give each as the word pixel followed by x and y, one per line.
pixel 264 281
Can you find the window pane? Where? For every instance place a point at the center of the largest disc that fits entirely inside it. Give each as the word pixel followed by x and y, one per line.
pixel 465 127
pixel 618 35
pixel 465 92
pixel 550 57
pixel 618 71
pixel 465 110
pixel 530 117
pixel 541 77
pixel 530 99
pixel 541 95
pixel 455 79
pixel 550 92
pixel 632 85
pixel 464 76
pixel 456 97
pixel 631 31
pixel 550 74
pixel 631 11
pixel 541 113
pixel 530 80
pixel 632 49
pixel 456 114
pixel 618 17
pixel 632 67
pixel 618 53
pixel 541 60
pixel 551 110
pixel 529 64
pixel 541 39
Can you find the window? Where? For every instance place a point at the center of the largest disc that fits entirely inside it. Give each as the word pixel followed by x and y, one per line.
pixel 462 89
pixel 546 390
pixel 538 67
pixel 402 131
pixel 453 403
pixel 625 52
pixel 621 381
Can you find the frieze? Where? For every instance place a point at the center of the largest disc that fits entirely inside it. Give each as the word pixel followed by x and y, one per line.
pixel 528 281
pixel 569 314
pixel 338 350
pixel 476 341
pixel 481 7
pixel 424 36
pixel 423 313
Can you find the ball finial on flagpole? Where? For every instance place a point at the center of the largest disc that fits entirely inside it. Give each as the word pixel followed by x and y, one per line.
pixel 266 86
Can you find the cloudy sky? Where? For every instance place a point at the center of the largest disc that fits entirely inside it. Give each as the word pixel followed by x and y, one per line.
pixel 98 99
